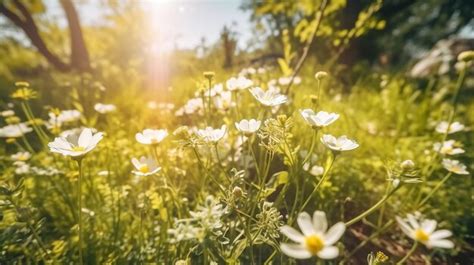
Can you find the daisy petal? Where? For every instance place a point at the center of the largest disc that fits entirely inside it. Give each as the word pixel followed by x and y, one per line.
pixel 292 233
pixel 443 233
pixel 85 138
pixel 320 222
pixel 328 252
pixel 295 251
pixel 334 233
pixel 443 243
pixel 305 224
pixel 428 226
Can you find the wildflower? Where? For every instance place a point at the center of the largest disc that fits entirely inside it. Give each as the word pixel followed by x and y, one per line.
pixel 21 156
pixel 7 113
pixel 224 100
pixel 15 130
pixel 209 74
pixel 268 98
pixel 448 148
pixel 338 144
pixel 212 135
pixel 321 75
pixel 284 81
pixel 238 83
pixel 104 108
pixel 75 144
pixel 407 164
pixel 22 168
pixel 315 170
pixel 316 239
pixel 455 166
pixel 454 127
pixel 23 91
pixel 320 119
pixel 150 136
pixel 64 116
pixel 248 126
pixel 145 166
pixel 424 232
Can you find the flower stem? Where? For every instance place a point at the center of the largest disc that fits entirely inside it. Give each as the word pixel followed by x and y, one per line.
pixel 434 190
pixel 409 253
pixel 79 210
pixel 371 209
pixel 325 175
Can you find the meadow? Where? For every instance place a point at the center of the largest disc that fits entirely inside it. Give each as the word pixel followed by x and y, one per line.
pixel 248 165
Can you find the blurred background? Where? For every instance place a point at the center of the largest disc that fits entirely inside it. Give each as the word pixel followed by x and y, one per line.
pixel 148 44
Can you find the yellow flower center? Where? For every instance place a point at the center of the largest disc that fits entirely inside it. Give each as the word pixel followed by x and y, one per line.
pixel 78 149
pixel 314 244
pixel 421 235
pixel 144 168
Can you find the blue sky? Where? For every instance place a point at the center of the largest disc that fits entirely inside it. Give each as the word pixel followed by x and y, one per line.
pixel 180 22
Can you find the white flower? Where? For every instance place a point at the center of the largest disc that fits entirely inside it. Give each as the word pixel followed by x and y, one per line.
pixel 7 113
pixel 22 168
pixel 145 166
pixel 21 156
pixel 320 119
pixel 316 239
pixel 268 98
pixel 212 135
pixel 150 136
pixel 284 81
pixel 248 126
pixel 65 116
pixel 104 108
pixel 338 144
pixel 74 144
pixel 224 100
pixel 316 170
pixel 15 130
pixel 455 166
pixel 442 127
pixel 238 83
pixel 424 232
pixel 448 148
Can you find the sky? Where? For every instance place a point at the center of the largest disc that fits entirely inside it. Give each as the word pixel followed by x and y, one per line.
pixel 180 23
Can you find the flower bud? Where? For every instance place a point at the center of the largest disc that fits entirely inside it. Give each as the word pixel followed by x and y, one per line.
pixel 321 75
pixel 407 164
pixel 209 75
pixel 466 56
pixel 237 192
pixel 314 99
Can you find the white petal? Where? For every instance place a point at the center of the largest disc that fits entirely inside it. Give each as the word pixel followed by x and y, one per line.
pixel 136 163
pixel 334 233
pixel 85 137
pixel 292 233
pixel 443 233
pixel 295 251
pixel 404 226
pixel 329 252
pixel 305 224
pixel 413 222
pixel 443 243
pixel 320 222
pixel 428 226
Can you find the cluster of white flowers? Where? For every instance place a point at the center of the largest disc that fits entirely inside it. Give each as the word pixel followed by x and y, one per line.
pixel 451 147
pixel 104 108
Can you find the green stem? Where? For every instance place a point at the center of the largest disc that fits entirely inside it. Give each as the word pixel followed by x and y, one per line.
pixel 325 175
pixel 79 210
pixel 371 209
pixel 409 253
pixel 434 190
pixel 311 149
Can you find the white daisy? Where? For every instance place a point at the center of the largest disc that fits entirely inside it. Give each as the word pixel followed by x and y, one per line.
pixel 316 239
pixel 150 136
pixel 268 98
pixel 15 130
pixel 455 166
pixel 211 135
pixel 21 156
pixel 74 144
pixel 248 126
pixel 145 166
pixel 238 83
pixel 442 127
pixel 104 108
pixel 338 144
pixel 424 232
pixel 320 119
pixel 448 148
